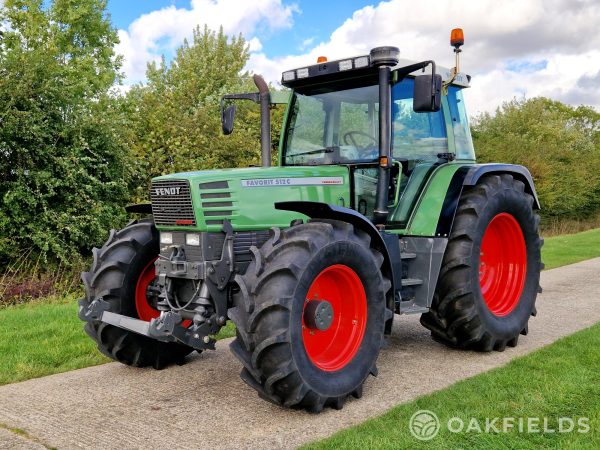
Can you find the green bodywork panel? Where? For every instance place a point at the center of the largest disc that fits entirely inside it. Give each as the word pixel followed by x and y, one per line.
pixel 253 192
pixel 423 219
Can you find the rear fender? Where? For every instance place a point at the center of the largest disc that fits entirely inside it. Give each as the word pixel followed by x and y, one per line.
pixel 469 176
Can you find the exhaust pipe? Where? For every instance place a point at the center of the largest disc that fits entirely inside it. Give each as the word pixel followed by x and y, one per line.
pixel 265 120
pixel 384 58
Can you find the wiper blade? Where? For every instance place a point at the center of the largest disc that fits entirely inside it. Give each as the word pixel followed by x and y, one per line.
pixel 314 152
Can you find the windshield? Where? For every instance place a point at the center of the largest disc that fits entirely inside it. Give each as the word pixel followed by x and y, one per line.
pixel 333 127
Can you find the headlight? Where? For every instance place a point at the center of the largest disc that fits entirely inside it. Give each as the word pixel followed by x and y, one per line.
pixel 166 238
pixel 192 239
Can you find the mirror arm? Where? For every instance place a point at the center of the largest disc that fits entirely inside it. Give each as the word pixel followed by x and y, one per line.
pixel 255 97
pixel 403 71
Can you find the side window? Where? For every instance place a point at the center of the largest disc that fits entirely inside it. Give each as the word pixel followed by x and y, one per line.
pixel 415 136
pixel 460 124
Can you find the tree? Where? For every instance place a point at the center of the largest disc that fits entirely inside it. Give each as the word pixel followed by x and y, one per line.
pixel 64 165
pixel 559 144
pixel 175 116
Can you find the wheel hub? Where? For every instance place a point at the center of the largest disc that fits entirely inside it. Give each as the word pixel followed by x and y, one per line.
pixel 318 315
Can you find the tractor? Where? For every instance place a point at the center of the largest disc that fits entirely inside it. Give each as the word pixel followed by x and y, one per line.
pixel 376 207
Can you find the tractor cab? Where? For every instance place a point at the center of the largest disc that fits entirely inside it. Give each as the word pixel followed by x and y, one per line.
pixel 334 119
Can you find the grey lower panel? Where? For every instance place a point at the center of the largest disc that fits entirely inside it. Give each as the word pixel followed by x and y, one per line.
pixel 424 266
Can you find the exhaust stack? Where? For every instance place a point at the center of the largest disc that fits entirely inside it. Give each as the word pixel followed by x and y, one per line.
pixel 265 120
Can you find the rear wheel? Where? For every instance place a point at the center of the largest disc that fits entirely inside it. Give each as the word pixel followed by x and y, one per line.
pixel 310 315
pixel 122 273
pixel 490 274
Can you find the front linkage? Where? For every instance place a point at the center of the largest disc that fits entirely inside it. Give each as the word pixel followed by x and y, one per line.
pixel 191 325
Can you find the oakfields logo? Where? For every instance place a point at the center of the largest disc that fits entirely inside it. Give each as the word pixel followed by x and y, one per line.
pixel 425 425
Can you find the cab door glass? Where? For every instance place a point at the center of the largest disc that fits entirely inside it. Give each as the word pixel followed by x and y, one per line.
pixel 460 124
pixel 415 136
pixel 365 189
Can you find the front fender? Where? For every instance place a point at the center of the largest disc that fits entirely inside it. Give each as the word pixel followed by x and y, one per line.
pixel 385 243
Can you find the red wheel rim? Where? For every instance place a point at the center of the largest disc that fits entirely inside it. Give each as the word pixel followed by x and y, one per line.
pixel 334 348
pixel 145 311
pixel 502 264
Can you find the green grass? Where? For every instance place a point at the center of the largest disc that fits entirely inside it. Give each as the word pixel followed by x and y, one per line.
pixel 561 250
pixel 560 380
pixel 46 337
pixel 41 338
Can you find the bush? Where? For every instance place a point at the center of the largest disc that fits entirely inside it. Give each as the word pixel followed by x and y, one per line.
pixel 63 161
pixel 559 144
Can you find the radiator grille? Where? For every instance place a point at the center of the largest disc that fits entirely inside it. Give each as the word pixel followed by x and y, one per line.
pixel 172 203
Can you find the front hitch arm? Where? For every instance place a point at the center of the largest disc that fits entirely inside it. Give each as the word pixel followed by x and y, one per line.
pixel 166 328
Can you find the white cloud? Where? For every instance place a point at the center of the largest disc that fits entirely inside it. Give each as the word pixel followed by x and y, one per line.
pixel 161 31
pixel 500 38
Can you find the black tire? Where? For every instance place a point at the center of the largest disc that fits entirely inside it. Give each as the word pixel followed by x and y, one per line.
pixel 268 314
pixel 113 276
pixel 459 316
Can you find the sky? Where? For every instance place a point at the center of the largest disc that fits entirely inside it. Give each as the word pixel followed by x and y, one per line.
pixel 513 48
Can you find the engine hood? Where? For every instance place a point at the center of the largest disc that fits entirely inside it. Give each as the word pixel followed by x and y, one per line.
pixel 202 200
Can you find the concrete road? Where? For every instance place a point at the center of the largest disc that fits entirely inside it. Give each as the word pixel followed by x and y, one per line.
pixel 204 404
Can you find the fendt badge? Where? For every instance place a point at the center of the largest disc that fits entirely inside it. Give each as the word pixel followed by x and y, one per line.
pixel 167 191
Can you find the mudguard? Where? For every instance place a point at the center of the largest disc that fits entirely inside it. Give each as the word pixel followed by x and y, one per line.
pixel 469 176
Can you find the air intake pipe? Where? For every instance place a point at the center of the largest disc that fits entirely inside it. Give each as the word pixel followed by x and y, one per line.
pixel 265 120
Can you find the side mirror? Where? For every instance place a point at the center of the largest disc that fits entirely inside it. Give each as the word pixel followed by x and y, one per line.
pixel 427 96
pixel 227 117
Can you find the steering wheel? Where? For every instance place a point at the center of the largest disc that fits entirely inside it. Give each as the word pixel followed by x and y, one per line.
pixel 349 139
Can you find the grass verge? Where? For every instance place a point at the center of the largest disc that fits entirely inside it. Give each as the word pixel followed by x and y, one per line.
pixel 571 248
pixel 560 380
pixel 44 337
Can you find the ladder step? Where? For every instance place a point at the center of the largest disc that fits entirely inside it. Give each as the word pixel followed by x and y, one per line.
pixel 410 308
pixel 411 282
pixel 406 255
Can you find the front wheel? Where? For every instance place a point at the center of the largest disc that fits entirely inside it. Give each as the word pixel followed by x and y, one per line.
pixel 490 273
pixel 123 274
pixel 310 315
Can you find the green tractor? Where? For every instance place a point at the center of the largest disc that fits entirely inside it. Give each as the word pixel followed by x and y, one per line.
pixel 377 207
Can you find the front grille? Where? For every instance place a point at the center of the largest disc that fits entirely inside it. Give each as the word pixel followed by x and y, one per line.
pixel 246 239
pixel 172 203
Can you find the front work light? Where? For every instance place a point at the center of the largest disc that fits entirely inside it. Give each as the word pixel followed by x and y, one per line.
pixel 166 238
pixel 288 76
pixel 345 64
pixel 302 73
pixel 192 239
